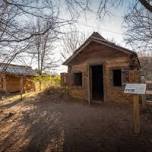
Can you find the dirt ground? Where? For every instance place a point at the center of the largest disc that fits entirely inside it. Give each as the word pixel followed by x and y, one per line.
pixel 54 122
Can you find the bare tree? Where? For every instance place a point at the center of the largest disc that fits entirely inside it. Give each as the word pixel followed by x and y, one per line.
pixel 139 29
pixel 106 6
pixel 16 17
pixel 42 48
pixel 138 19
pixel 16 31
pixel 71 41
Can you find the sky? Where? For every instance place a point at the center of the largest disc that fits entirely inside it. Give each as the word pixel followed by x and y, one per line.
pixel 110 28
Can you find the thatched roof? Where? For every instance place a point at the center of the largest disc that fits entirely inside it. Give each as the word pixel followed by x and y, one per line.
pixel 16 69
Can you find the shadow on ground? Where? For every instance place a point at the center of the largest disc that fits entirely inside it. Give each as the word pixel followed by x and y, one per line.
pixel 54 122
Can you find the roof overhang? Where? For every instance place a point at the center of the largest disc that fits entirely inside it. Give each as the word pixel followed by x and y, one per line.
pixel 103 42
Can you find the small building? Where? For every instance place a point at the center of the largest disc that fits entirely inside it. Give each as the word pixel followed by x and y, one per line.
pixel 13 78
pixel 99 69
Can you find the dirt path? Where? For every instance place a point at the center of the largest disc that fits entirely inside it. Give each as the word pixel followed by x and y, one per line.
pixel 53 122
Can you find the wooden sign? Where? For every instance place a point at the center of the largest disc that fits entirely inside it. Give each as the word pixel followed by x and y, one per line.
pixel 135 88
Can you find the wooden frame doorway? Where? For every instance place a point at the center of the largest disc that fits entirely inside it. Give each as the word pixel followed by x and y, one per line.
pixel 96 84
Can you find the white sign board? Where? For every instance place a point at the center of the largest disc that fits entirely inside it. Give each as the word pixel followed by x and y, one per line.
pixel 135 88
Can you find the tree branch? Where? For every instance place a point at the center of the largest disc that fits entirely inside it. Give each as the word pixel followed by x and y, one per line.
pixel 146 4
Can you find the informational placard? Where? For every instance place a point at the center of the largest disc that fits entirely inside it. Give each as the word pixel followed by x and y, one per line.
pixel 135 88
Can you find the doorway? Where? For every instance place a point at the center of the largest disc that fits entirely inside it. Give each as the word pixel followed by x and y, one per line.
pixel 97 90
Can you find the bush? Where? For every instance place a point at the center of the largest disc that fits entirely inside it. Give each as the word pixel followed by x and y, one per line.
pixel 45 81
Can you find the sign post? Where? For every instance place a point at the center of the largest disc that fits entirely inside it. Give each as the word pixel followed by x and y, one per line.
pixel 136 114
pixel 136 89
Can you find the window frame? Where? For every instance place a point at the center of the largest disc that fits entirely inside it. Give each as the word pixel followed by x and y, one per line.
pixel 73 79
pixel 112 72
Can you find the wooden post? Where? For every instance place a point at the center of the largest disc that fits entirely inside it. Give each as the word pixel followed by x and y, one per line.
pixel 136 114
pixel 143 96
pixel 40 85
pixel 21 87
pixel 136 106
pixel 88 82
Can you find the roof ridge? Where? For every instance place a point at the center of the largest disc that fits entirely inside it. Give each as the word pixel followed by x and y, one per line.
pixel 97 35
pixel 15 65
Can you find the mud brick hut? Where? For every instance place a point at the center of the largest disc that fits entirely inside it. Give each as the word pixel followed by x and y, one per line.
pixel 13 78
pixel 99 69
